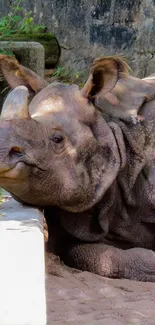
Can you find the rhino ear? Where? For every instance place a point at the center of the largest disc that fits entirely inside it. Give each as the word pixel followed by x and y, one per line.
pixel 16 75
pixel 16 104
pixel 104 75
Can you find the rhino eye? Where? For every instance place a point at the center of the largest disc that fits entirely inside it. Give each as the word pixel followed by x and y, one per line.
pixel 57 139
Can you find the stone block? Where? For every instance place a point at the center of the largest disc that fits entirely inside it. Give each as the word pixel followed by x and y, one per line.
pixel 29 54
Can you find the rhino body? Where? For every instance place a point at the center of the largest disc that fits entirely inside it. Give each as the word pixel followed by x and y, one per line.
pixel 77 155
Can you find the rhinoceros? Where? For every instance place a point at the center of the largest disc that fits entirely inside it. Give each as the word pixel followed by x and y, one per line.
pixel 79 155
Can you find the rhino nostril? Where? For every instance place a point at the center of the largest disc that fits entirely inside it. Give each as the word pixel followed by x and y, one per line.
pixel 15 151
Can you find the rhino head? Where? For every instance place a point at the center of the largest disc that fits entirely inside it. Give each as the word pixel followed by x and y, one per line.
pixel 57 149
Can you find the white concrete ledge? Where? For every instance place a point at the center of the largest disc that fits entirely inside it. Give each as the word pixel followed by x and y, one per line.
pixel 22 267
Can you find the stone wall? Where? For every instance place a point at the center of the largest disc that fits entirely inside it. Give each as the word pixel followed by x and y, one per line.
pixel 90 28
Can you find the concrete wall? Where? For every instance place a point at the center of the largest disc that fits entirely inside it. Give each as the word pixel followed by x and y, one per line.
pixel 90 28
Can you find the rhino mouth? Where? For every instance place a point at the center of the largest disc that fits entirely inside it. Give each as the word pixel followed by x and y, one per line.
pixel 17 162
pixel 20 170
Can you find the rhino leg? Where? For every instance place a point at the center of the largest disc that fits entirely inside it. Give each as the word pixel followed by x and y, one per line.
pixel 135 263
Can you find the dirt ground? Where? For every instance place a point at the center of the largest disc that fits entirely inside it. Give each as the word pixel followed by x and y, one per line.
pixel 88 299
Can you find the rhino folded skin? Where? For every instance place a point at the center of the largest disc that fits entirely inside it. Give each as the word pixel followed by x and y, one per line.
pixel 87 158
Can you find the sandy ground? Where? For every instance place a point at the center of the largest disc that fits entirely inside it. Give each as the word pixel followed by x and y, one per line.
pixel 85 298
pixel 82 298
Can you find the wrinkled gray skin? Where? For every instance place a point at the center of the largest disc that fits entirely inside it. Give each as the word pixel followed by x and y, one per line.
pixel 93 175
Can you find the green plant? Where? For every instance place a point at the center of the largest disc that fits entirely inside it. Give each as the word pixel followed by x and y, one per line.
pixel 18 21
pixel 8 52
pixel 68 76
pixel 58 72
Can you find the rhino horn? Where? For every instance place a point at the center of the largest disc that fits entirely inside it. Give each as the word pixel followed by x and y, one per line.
pixel 16 104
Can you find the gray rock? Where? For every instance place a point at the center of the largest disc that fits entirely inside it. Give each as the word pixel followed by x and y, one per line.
pixel 29 54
